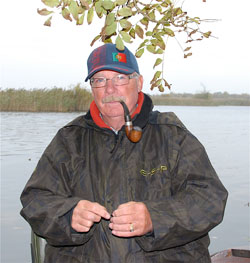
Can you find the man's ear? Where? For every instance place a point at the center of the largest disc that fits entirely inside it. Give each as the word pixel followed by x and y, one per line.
pixel 140 83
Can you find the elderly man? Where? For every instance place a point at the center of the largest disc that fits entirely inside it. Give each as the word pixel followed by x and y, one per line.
pixel 95 196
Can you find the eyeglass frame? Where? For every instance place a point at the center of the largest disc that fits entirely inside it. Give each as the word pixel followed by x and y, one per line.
pixel 131 76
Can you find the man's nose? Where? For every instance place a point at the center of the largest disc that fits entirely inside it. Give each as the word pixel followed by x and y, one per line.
pixel 109 86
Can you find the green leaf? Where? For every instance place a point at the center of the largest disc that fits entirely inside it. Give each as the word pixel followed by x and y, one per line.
pixel 139 53
pixel 159 9
pixel 73 8
pixel 207 34
pixel 144 21
pixel 152 15
pixel 156 76
pixel 90 15
pixel 158 36
pixel 143 43
pixel 167 16
pixel 125 36
pixel 99 9
pixel 48 21
pixel 155 29
pixel 110 19
pixel 66 2
pixel 94 40
pixel 157 62
pixel 51 3
pixel 153 80
pixel 166 3
pixel 177 11
pixel 169 32
pixel 107 40
pixel 139 31
pixel 111 29
pixel 85 4
pixel 151 49
pixel 125 24
pixel 125 11
pixel 155 84
pixel 197 21
pixel 160 88
pixel 80 19
pixel 107 5
pixel 154 41
pixel 81 10
pixel 149 33
pixel 119 43
pixel 66 14
pixel 44 12
pixel 161 44
pixel 121 2
pixel 158 82
pixel 132 33
pixel 159 51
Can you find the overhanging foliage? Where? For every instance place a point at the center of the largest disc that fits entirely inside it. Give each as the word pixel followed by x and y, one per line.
pixel 126 20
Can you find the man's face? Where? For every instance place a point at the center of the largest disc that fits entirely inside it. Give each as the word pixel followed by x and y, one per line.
pixel 104 96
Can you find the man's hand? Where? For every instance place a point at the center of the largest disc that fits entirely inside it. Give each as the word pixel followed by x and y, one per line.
pixel 86 213
pixel 131 219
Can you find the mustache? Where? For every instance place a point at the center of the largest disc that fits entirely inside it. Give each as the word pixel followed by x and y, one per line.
pixel 113 98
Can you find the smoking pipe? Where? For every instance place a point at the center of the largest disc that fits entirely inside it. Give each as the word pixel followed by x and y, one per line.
pixel 133 133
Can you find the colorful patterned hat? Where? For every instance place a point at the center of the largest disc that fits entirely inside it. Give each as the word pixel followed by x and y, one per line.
pixel 108 57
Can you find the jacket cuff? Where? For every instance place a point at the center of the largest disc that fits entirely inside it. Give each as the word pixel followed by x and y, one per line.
pixel 68 216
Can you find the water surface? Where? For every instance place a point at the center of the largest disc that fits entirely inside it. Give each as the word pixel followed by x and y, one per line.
pixel 224 131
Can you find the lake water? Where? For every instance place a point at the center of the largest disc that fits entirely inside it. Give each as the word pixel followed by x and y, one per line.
pixel 224 131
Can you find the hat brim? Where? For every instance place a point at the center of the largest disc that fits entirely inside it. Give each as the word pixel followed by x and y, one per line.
pixel 118 68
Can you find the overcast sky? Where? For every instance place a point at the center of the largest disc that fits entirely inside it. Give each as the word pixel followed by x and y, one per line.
pixel 35 56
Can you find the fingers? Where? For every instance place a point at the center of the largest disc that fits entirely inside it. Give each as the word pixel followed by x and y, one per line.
pixel 94 207
pixel 121 222
pixel 86 213
pixel 125 209
pixel 125 230
pixel 131 219
pixel 81 226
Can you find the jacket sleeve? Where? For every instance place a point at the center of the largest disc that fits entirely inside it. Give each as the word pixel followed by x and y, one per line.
pixel 47 198
pixel 196 204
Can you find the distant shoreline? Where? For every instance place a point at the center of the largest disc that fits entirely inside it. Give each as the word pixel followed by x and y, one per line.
pixel 78 99
pixel 202 99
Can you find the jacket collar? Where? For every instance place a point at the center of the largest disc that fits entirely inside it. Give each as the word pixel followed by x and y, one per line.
pixel 140 117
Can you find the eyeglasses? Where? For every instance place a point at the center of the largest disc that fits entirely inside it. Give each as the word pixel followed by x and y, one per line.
pixel 118 80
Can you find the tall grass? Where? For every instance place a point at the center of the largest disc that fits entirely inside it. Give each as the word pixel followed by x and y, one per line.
pixel 45 100
pixel 79 99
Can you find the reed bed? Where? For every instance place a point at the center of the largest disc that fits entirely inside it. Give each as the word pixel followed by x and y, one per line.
pixel 76 99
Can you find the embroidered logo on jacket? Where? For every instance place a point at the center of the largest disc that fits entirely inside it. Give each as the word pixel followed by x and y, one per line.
pixel 153 171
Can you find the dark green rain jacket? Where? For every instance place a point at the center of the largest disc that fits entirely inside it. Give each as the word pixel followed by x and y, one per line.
pixel 168 170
